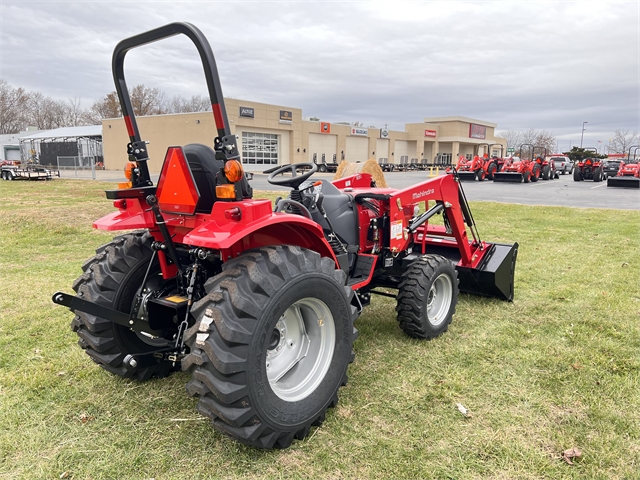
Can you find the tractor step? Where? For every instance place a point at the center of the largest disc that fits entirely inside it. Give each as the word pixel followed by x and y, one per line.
pixel 511 177
pixel 623 182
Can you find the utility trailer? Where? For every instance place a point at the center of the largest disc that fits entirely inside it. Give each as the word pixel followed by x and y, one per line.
pixel 628 172
pixel 258 301
pixel 15 171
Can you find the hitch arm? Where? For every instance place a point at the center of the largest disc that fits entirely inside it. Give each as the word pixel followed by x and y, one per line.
pixel 115 316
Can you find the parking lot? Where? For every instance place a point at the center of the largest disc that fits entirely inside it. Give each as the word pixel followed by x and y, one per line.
pixel 562 191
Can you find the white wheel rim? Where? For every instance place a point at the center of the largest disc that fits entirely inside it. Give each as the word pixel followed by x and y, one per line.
pixel 439 299
pixel 300 349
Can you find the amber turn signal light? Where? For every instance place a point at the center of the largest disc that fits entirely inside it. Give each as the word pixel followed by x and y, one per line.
pixel 128 170
pixel 233 171
pixel 226 191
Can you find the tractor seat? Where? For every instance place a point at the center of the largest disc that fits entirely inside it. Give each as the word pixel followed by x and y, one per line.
pixel 205 167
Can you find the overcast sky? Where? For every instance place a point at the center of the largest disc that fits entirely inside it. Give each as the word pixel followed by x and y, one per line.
pixel 543 65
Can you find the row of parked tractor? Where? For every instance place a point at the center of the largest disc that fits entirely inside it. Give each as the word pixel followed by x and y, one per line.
pixel 534 163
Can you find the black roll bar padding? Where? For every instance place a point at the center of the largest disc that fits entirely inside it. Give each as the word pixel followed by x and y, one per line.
pixel 208 63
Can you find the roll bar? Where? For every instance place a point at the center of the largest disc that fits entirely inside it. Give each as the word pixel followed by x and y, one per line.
pixel 224 142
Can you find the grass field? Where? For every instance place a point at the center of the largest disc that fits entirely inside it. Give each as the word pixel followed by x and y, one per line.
pixel 556 369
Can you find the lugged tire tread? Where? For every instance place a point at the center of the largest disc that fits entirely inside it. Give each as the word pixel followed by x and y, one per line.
pixel 99 282
pixel 218 364
pixel 412 294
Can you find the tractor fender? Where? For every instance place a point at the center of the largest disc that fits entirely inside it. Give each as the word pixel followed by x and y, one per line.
pixel 131 218
pixel 233 238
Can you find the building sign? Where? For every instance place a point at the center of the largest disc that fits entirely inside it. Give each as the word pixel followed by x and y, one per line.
pixel 430 133
pixel 325 127
pixel 359 131
pixel 286 116
pixel 477 131
pixel 247 112
pixel 384 133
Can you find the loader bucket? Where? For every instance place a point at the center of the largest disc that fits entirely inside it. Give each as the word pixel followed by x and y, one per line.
pixel 624 182
pixel 512 177
pixel 467 176
pixel 494 275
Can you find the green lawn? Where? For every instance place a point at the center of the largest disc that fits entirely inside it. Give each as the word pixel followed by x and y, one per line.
pixel 558 368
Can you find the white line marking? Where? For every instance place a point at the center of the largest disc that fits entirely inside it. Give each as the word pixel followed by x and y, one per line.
pixel 598 186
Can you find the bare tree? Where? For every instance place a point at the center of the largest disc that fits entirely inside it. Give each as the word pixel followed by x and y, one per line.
pixel 44 112
pixel 74 114
pixel 147 101
pixel 538 138
pixel 622 140
pixel 513 138
pixel 197 103
pixel 12 108
pixel 108 107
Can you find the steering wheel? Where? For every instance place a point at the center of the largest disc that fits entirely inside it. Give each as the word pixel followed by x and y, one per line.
pixel 295 180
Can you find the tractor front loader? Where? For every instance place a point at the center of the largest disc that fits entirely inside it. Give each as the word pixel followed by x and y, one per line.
pixel 628 172
pixel 258 301
pixel 519 169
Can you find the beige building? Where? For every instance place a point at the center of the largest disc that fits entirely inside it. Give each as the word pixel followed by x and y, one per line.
pixel 276 135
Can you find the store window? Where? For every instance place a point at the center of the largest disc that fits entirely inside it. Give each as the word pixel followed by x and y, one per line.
pixel 259 148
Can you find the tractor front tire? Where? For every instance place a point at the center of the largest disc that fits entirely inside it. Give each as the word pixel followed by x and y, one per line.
pixel 322 168
pixel 427 297
pixel 479 175
pixel 535 173
pixel 271 345
pixel 112 278
pixel 491 170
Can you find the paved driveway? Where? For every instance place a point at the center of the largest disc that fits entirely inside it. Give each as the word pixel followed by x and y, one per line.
pixel 561 192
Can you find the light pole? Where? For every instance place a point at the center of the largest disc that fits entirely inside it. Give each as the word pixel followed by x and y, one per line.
pixel 582 134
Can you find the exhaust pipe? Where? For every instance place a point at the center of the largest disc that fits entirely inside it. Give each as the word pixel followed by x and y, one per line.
pixel 623 182
pixel 511 177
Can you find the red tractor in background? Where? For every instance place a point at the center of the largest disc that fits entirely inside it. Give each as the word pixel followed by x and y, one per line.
pixel 545 167
pixel 256 301
pixel 479 167
pixel 589 168
pixel 518 169
pixel 628 172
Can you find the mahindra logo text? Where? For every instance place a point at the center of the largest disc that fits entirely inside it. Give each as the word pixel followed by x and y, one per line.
pixel 424 193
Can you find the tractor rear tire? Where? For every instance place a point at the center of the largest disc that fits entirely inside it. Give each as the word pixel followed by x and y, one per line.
pixel 545 172
pixel 597 175
pixel 112 278
pixel 577 175
pixel 427 297
pixel 271 345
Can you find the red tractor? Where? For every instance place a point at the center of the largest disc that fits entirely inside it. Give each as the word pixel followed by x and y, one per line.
pixel 519 170
pixel 628 172
pixel 477 168
pixel 259 302
pixel 544 168
pixel 590 168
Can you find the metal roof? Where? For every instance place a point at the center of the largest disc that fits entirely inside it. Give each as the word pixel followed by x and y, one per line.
pixel 67 132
